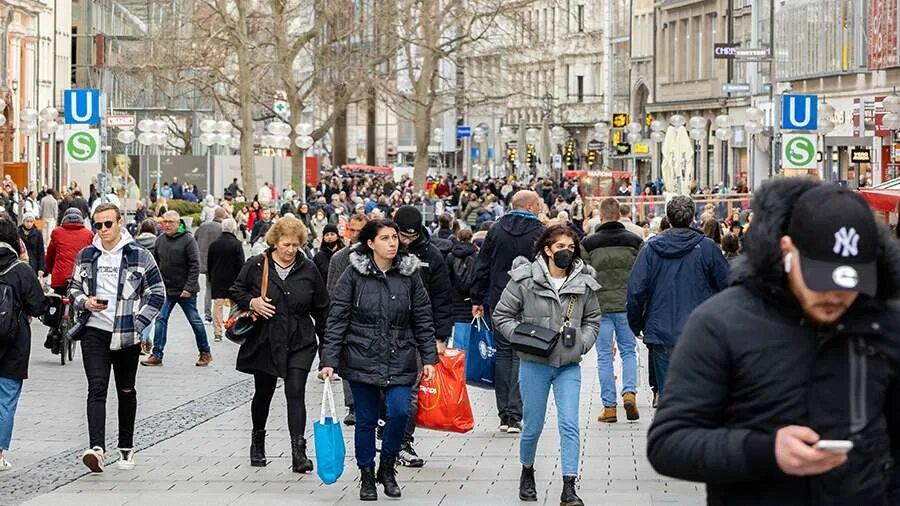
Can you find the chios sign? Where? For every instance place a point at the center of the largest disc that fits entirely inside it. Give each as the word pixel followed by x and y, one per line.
pixel 83 146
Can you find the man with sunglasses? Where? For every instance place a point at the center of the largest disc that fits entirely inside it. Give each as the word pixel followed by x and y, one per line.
pixel 116 291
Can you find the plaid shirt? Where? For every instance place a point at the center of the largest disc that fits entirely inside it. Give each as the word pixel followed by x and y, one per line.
pixel 140 298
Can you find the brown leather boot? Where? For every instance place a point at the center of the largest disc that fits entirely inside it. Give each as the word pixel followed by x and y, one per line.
pixel 204 360
pixel 609 415
pixel 631 409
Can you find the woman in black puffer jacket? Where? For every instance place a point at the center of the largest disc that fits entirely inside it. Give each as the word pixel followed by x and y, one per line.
pixel 378 327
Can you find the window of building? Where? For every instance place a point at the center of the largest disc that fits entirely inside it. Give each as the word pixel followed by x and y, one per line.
pixel 579 87
pixel 580 18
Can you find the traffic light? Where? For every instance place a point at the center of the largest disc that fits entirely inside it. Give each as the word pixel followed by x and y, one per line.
pixel 569 154
pixel 591 157
pixel 511 155
pixel 530 158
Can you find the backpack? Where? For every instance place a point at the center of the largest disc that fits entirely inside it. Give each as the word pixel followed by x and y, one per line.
pixel 9 309
pixel 462 272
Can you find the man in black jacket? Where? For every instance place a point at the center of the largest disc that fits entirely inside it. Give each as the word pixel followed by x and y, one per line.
pixel 225 258
pixel 512 236
pixel 178 257
pixel 803 349
pixel 436 277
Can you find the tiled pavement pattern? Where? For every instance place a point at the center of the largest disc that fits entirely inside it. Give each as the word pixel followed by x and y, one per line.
pixel 193 434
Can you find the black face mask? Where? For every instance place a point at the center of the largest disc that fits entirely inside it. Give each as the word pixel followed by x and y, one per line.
pixel 563 259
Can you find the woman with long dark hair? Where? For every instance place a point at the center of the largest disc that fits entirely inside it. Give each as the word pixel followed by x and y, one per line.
pixel 379 325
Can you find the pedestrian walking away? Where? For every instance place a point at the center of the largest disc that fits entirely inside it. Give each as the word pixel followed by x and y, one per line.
pixel 556 291
pixel 783 389
pixel 207 232
pixel 224 261
pixel 116 291
pixel 178 258
pixel 21 297
pixel 611 251
pixel 284 343
pixel 378 303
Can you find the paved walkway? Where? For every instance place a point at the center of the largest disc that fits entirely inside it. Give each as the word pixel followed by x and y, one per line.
pixel 193 436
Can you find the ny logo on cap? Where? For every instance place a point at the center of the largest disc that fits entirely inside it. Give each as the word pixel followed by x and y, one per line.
pixel 846 242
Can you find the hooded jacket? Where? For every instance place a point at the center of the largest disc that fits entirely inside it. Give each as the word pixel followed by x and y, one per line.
pixel 178 258
pixel 379 324
pixel 147 240
pixel 676 272
pixel 65 243
pixel 749 362
pixel 225 260
pixel 206 233
pixel 436 278
pixel 531 298
pixel 34 244
pixel 513 236
pixel 209 209
pixel 611 251
pixel 30 301
pixel 460 301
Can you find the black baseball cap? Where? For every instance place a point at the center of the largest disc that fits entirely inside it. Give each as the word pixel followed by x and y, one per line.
pixel 835 231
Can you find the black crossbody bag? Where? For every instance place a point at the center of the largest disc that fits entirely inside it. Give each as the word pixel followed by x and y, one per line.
pixel 540 341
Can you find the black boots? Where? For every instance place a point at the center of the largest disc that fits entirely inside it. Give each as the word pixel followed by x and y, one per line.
pixel 258 448
pixel 300 463
pixel 569 497
pixel 367 489
pixel 527 488
pixel 387 476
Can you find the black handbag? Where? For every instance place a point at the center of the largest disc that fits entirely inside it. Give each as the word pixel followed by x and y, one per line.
pixel 537 340
pixel 242 322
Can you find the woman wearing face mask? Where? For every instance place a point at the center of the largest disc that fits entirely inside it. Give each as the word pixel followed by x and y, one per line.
pixel 331 242
pixel 555 292
pixel 317 226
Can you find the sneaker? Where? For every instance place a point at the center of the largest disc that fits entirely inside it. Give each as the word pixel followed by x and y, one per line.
pixel 514 428
pixel 48 343
pixel 5 465
pixel 152 361
pixel 504 424
pixel 217 339
pixel 93 459
pixel 207 319
pixel 631 410
pixel 350 417
pixel 609 415
pixel 408 457
pixel 126 462
pixel 146 347
pixel 205 359
pixel 655 403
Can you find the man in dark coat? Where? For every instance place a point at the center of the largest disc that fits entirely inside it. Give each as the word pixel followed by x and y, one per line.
pixel 514 235
pixel 433 269
pixel 178 258
pixel 206 233
pixel 680 260
pixel 802 348
pixel 224 260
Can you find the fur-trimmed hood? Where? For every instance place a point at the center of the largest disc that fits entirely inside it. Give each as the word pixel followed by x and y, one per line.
pixel 761 265
pixel 404 264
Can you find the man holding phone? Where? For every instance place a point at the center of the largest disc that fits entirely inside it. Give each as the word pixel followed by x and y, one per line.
pixel 116 291
pixel 785 387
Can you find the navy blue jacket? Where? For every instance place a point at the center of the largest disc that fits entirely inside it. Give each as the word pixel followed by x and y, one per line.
pixel 513 236
pixel 674 273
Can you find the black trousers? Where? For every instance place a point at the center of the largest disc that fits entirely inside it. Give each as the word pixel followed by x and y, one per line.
pixel 651 369
pixel 294 391
pixel 98 360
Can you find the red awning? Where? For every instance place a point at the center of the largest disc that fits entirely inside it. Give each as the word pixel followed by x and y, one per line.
pixel 881 200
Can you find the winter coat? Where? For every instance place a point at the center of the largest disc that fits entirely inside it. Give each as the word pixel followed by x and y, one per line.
pixel 34 244
pixel 460 301
pixel 322 259
pixel 65 243
pixel 288 340
pixel 749 362
pixel 206 233
pixel 316 227
pixel 31 301
pixel 209 210
pixel 147 240
pixel 225 259
pixel 678 261
pixel 379 325
pixel 611 251
pixel 511 237
pixel 178 259
pixel 259 230
pixel 530 298
pixel 340 260
pixel 436 278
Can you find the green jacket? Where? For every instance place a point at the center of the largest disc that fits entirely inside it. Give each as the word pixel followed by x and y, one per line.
pixel 611 251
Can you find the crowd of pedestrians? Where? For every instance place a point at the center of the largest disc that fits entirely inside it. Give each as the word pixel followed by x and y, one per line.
pixel 365 279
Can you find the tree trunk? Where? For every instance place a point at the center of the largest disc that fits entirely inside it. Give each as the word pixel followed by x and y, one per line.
pixel 423 139
pixel 248 169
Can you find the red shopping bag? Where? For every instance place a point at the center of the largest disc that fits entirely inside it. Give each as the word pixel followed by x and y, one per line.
pixel 444 401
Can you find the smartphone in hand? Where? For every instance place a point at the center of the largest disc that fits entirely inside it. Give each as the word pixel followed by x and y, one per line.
pixel 834 445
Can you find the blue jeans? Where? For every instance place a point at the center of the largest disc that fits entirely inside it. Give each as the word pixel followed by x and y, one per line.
pixel 660 355
pixel 616 323
pixel 366 401
pixel 535 380
pixel 9 399
pixel 189 306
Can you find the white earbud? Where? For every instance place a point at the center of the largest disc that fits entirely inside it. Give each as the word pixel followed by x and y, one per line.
pixel 788 262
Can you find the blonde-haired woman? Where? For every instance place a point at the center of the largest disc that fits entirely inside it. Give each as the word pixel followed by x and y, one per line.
pixel 284 343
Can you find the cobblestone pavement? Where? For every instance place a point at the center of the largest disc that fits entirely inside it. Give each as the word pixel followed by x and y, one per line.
pixel 192 436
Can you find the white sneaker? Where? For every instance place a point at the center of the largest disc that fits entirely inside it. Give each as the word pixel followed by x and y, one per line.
pixel 126 462
pixel 5 465
pixel 93 459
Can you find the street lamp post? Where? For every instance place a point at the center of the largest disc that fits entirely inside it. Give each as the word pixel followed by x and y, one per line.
pixel 754 127
pixel 601 133
pixel 657 136
pixel 723 134
pixel 634 137
pixel 824 127
pixel 697 134
pixel 304 142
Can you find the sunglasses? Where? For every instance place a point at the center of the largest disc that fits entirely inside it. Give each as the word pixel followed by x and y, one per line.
pixel 100 225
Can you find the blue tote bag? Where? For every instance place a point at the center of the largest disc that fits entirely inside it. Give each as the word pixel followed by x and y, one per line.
pixel 477 340
pixel 330 451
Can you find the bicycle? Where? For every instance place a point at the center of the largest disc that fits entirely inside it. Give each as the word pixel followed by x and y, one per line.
pixel 59 319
